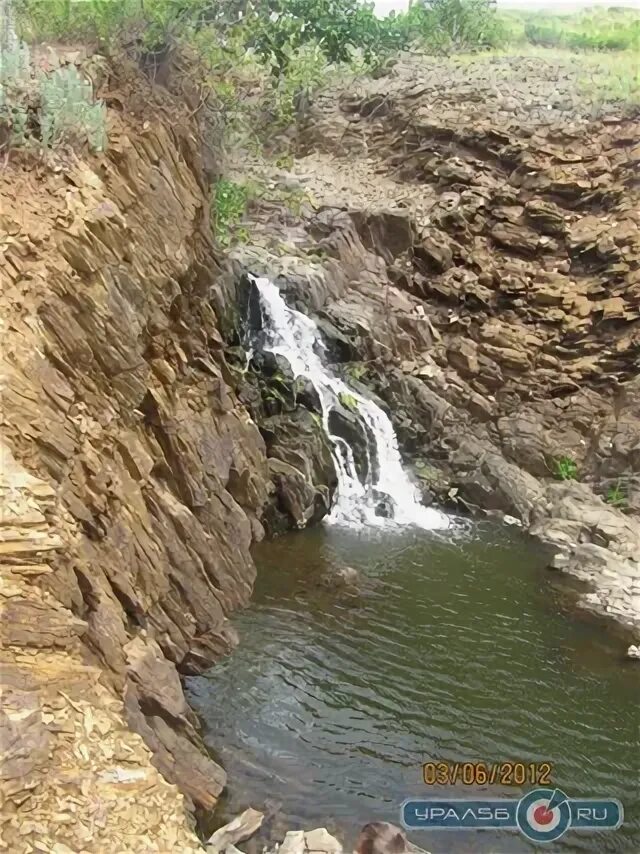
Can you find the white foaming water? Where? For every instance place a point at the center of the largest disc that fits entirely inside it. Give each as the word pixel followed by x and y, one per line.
pixel 295 337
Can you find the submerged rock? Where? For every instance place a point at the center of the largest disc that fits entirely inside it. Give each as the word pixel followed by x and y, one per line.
pixel 340 577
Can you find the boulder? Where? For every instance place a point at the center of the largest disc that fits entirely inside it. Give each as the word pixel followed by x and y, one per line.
pixel 240 828
pixel 546 217
pixel 516 237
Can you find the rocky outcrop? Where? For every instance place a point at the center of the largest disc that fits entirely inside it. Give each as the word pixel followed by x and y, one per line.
pixel 118 397
pixel 302 469
pixel 505 339
pixel 74 777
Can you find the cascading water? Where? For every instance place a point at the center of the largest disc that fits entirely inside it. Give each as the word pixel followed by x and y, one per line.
pixel 294 336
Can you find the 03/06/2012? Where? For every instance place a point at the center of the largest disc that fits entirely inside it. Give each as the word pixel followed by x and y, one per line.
pixel 487 773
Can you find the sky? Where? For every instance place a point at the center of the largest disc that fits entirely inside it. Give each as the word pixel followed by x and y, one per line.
pixel 383 7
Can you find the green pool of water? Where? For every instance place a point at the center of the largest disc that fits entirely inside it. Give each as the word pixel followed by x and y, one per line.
pixel 456 648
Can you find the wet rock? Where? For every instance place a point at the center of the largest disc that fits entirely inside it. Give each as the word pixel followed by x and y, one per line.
pixel 633 652
pixel 492 482
pixel 306 395
pixel 349 427
pixel 249 309
pixel 615 580
pixel 296 495
pixel 343 576
pixel 341 347
pixel 301 466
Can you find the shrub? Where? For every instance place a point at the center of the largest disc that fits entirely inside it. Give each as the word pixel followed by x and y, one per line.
pixel 564 468
pixel 69 112
pixel 49 109
pixel 306 69
pixel 16 91
pixel 229 206
pixel 461 24
pixel 279 28
pixel 70 20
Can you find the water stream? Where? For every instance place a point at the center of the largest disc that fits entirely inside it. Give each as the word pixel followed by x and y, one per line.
pixel 455 647
pixel 291 334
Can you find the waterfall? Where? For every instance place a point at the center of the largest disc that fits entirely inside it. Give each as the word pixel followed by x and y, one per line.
pixel 296 337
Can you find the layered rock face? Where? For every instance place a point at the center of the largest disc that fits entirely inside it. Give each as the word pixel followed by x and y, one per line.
pixel 479 260
pixel 117 397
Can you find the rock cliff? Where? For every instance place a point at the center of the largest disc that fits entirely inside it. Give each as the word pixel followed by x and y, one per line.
pixel 133 484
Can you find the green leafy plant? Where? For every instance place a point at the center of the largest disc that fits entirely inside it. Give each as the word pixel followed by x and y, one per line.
pixel 348 401
pixel 69 112
pixel 229 206
pixel 356 370
pixel 616 495
pixel 564 468
pixel 306 68
pixel 48 108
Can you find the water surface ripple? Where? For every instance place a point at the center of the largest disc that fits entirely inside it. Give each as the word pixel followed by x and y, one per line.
pixel 456 651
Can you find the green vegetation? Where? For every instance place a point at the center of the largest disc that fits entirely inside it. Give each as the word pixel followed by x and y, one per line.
pixel 46 111
pixel 616 495
pixel 601 29
pixel 356 370
pixel 229 205
pixel 258 63
pixel 348 401
pixel 564 468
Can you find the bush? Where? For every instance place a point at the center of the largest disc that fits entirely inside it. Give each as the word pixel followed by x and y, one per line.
pixel 16 88
pixel 70 20
pixel 229 206
pixel 278 28
pixel 306 69
pixel 47 109
pixel 69 112
pixel 461 24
